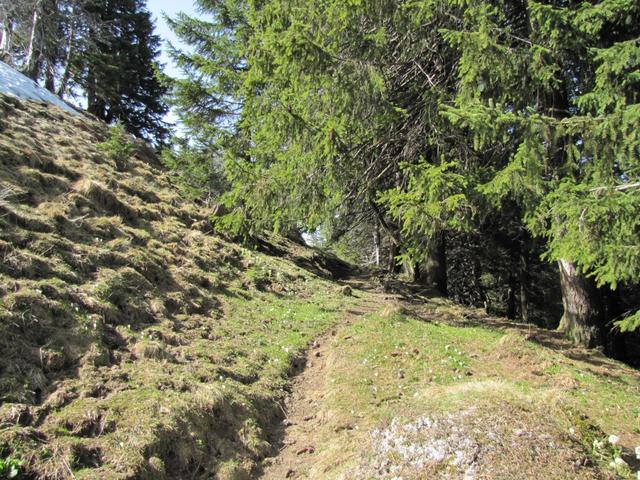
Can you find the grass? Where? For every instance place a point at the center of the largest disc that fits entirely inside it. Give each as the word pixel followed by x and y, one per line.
pixel 396 367
pixel 231 379
pixel 134 345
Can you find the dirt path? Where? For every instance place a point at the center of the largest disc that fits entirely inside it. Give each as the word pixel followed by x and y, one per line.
pixel 435 413
pixel 304 412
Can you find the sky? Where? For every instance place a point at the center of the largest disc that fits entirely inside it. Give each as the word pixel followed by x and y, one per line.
pixel 171 8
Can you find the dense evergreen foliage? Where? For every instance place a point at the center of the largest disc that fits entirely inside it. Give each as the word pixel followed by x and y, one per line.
pixel 412 126
pixel 103 51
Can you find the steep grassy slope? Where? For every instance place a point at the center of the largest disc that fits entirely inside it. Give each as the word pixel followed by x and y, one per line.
pixel 135 343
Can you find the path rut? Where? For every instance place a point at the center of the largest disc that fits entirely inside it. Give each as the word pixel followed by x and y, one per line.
pixel 303 408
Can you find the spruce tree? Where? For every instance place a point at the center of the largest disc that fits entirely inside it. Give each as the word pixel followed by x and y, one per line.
pixel 117 67
pixel 555 85
pixel 101 50
pixel 509 123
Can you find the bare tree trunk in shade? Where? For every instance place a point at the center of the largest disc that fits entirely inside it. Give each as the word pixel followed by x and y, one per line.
pixel 523 274
pixel 66 74
pixel 30 68
pixel 376 244
pixel 583 320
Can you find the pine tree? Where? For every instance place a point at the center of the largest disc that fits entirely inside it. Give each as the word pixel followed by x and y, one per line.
pixel 117 68
pixel 556 85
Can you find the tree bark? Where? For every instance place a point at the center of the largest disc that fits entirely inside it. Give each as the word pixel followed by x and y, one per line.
pixel 511 297
pixel 583 319
pixel 376 244
pixel 523 274
pixel 6 41
pixel 392 265
pixel 434 271
pixel 30 66
pixel 66 75
pixel 616 346
pixel 4 38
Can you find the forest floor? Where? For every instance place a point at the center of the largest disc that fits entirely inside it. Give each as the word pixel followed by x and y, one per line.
pixel 410 386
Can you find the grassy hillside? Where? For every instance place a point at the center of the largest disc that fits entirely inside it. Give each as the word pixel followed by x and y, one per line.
pixel 135 343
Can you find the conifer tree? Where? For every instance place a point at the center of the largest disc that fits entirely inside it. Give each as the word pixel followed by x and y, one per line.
pixel 555 86
pixel 117 68
pixel 106 49
pixel 428 121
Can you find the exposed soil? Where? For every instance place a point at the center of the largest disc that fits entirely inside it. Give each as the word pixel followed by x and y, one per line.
pixel 304 414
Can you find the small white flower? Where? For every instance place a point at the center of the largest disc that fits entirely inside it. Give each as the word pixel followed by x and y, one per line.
pixel 613 439
pixel 638 453
pixel 572 431
pixel 598 444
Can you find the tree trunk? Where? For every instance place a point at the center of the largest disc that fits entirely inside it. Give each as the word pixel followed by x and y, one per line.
pixel 93 104
pixel 6 41
pixel 583 315
pixel 392 265
pixel 523 274
pixel 66 74
pixel 376 244
pixel 511 297
pixel 435 267
pixel 615 342
pixel 49 77
pixel 30 65
pixel 4 38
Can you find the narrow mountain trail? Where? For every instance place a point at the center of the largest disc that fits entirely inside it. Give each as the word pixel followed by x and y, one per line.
pixel 410 386
pixel 305 412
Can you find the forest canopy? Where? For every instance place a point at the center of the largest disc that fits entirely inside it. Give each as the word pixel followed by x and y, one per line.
pixel 499 137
